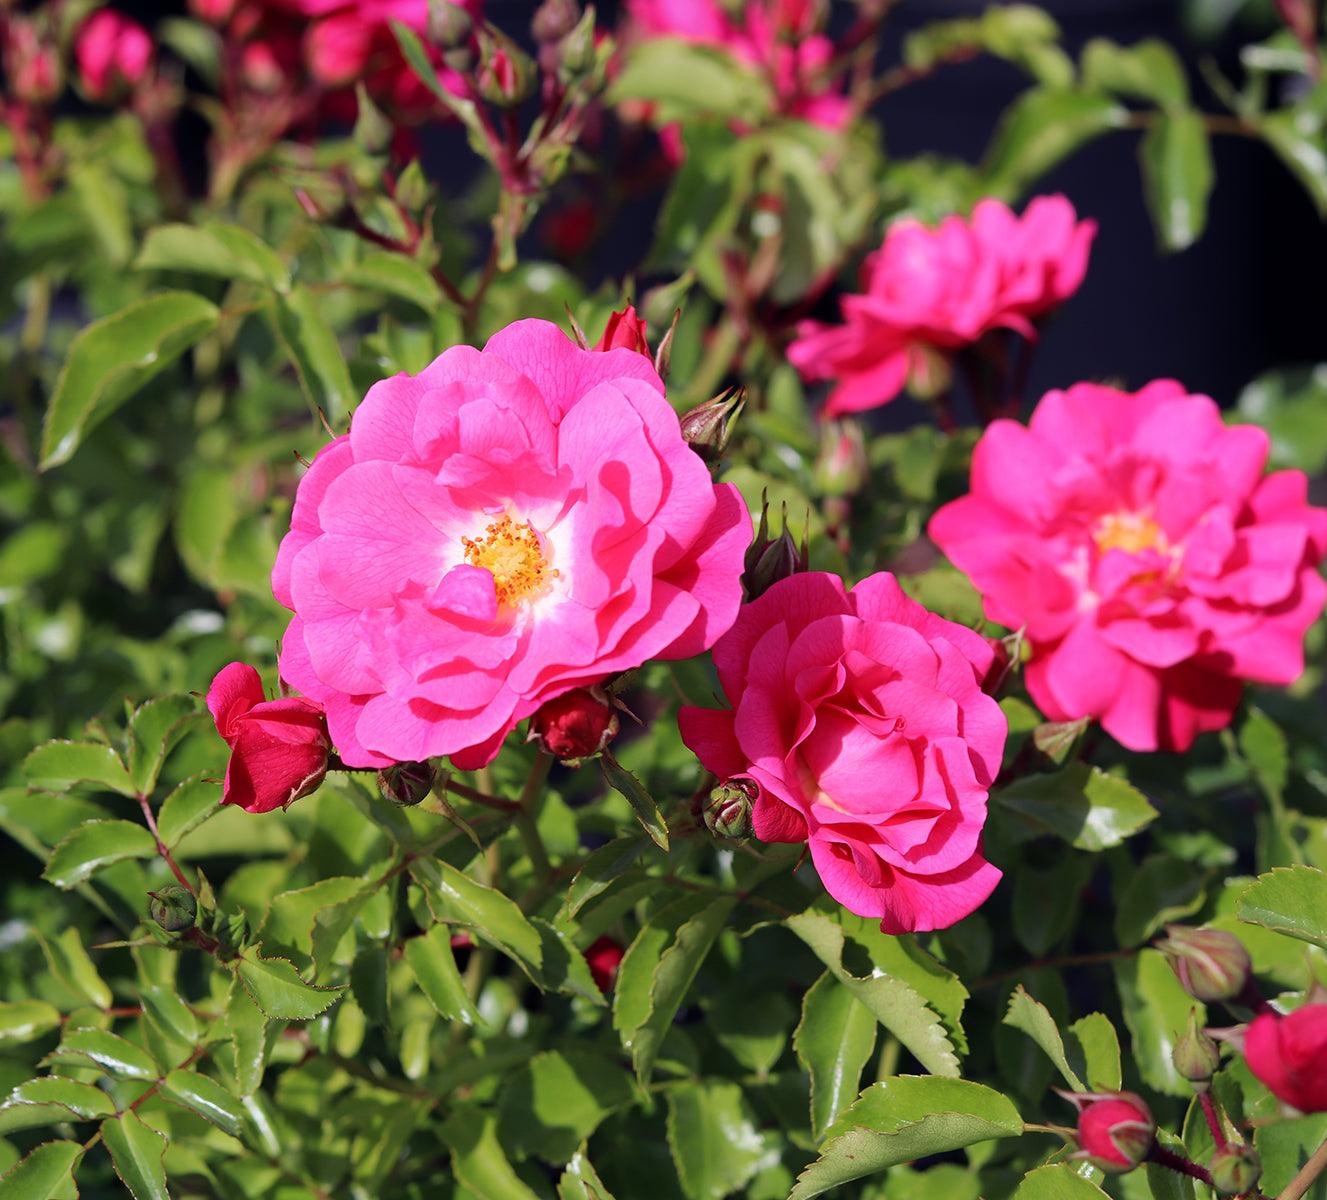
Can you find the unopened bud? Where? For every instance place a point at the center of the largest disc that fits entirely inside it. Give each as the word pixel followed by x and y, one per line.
pixel 728 813
pixel 1235 1170
pixel 708 427
pixel 506 73
pixel 412 190
pixel 554 19
pixel 1210 963
pixel 406 783
pixel 841 466
pixel 373 131
pixel 1115 1129
pixel 624 330
pixel 450 27
pixel 604 957
pixel 214 12
pixel 770 559
pixel 1195 1055
pixel 173 908
pixel 575 725
pixel 577 52
pixel 33 66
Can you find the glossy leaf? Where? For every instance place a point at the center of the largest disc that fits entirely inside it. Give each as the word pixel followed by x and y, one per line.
pixel 195 801
pixel 1156 1010
pixel 1034 1019
pixel 1289 900
pixel 154 730
pixel 112 1053
pixel 276 987
pixel 96 845
pixel 206 1097
pixel 51 1099
pixel 213 248
pixel 684 78
pixel 478 1159
pixel 430 957
pixel 833 1041
pixel 396 275
pixel 45 1174
pixel 138 1152
pixel 1088 808
pixel 607 864
pixel 61 765
pixel 1176 158
pixel 1057 1182
pixel 642 803
pixel 558 1099
pixel 312 346
pixel 580 1181
pixel 26 1020
pixel 715 1139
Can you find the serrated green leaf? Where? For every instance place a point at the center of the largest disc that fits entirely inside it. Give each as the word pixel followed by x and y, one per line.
pixel 605 865
pixel 1057 1182
pixel 246 1026
pixel 69 962
pixel 903 1118
pixel 714 1137
pixel 163 1005
pixel 278 990
pixel 557 1100
pixel 93 846
pixel 396 275
pixel 206 1097
pixel 154 730
pixel 580 1181
pixel 1034 1019
pixel 1088 808
pixel 635 974
pixel 45 1174
pixel 50 1100
pixel 1040 128
pixel 430 957
pixel 478 1159
pixel 107 1050
pixel 833 1042
pixel 138 1152
pixel 213 248
pixel 1289 900
pixel 57 766
pixel 26 1020
pixel 113 358
pixel 195 801
pixel 1093 1050
pixel 1176 159
pixel 642 803
pixel 312 346
pixel 1160 890
pixel 1284 1147
pixel 1263 745
pixel 1156 1010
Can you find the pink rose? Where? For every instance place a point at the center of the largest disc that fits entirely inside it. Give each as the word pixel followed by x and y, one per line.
pixel 1116 1130
pixel 114 53
pixel 1151 563
pixel 861 717
pixel 1289 1055
pixel 506 526
pixel 626 330
pixel 278 748
pixel 929 290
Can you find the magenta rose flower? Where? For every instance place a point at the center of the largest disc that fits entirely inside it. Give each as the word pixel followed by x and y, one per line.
pixel 506 526
pixel 1151 563
pixel 860 716
pixel 114 53
pixel 930 291
pixel 1289 1055
pixel 278 748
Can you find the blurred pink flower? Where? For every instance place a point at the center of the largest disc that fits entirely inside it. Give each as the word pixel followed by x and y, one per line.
pixel 1288 1054
pixel 1152 564
pixel 506 526
pixel 929 290
pixel 114 53
pixel 861 717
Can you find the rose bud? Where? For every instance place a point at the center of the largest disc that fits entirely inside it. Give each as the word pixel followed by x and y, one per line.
pixel 575 725
pixel 1288 1054
pixel 768 560
pixel 728 813
pixel 450 27
pixel 174 908
pixel 33 68
pixel 604 955
pixel 1115 1129
pixel 214 12
pixel 554 19
pixel 408 783
pixel 260 68
pixel 506 73
pixel 1210 963
pixel 1195 1055
pixel 114 54
pixel 1235 1170
pixel 708 427
pixel 841 467
pixel 626 331
pixel 279 749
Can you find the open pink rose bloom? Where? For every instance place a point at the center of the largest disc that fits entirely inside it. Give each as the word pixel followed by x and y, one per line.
pixel 509 524
pixel 1152 563
pixel 861 717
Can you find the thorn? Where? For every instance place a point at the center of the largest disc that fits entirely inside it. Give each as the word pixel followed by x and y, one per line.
pixel 581 340
pixel 301 459
pixel 322 416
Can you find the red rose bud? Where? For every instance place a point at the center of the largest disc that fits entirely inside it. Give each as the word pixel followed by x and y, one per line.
pixel 576 724
pixel 604 956
pixel 728 813
pixel 1210 963
pixel 841 467
pixel 114 54
pixel 279 749
pixel 406 784
pixel 626 331
pixel 1195 1055
pixel 1288 1054
pixel 260 68
pixel 554 19
pixel 214 12
pixel 770 559
pixel 174 908
pixel 708 427
pixel 1115 1129
pixel 33 68
pixel 1235 1170
pixel 506 74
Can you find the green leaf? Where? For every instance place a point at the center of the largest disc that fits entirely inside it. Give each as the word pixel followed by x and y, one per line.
pixel 896 1004
pixel 1284 1146
pixel 1093 1048
pixel 454 898
pixel 1057 1182
pixel 246 1025
pixel 632 992
pixel 96 845
pixel 107 1050
pixel 396 275
pixel 604 866
pixel 59 766
pixel 833 1042
pixel 580 1181
pixel 1297 136
pixel 1148 70
pixel 903 1118
pixel 69 963
pixel 50 1100
pixel 1289 405
pixel 1289 900
pixel 138 1153
pixel 196 800
pixel 1161 890
pixel 312 347
pixel 715 1139
pixel 687 79
pixel 26 1020
pixel 163 1005
pixel 1034 1019
pixel 1039 129
pixel 554 1102
pixel 1088 808
pixel 1176 159
pixel 154 730
pixel 642 803
pixel 213 248
pixel 206 1097
pixel 430 957
pixel 1156 1010
pixel 113 358
pixel 32 553
pixel 278 990
pixel 47 1173
pixel 1263 745
pixel 478 1159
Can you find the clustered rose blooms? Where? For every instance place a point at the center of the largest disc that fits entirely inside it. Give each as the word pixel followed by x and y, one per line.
pixel 508 525
pixel 1152 564
pixel 114 53
pixel 932 291
pixel 860 716
pixel 1289 1055
pixel 775 37
pixel 279 748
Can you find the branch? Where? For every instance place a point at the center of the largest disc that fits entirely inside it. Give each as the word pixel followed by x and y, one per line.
pixel 1308 1175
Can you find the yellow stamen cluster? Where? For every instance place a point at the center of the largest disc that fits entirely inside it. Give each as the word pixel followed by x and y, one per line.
pixel 1131 532
pixel 511 553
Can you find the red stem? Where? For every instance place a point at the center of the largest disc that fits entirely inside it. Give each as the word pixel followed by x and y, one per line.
pixel 161 846
pixel 1213 1119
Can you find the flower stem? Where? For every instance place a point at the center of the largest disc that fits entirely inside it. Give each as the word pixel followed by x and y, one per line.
pixel 1307 1176
pixel 1213 1120
pixel 524 820
pixel 162 848
pixel 1177 1162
